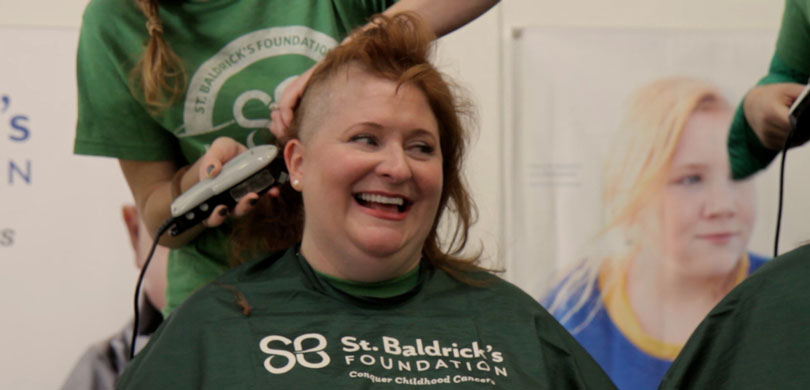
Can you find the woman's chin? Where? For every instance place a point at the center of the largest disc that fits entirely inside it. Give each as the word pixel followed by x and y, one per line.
pixel 381 241
pixel 381 249
pixel 713 264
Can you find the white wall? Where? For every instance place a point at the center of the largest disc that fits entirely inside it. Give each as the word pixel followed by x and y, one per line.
pixel 475 55
pixel 68 276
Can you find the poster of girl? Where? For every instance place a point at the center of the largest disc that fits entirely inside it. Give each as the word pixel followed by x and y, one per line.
pixel 675 238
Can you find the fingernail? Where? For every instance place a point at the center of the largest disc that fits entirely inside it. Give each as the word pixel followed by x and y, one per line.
pixel 253 201
pixel 223 212
pixel 210 169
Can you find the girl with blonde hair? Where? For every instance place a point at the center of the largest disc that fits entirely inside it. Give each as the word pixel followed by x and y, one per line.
pixel 675 237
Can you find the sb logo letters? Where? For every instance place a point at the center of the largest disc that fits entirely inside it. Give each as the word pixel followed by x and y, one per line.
pixel 282 360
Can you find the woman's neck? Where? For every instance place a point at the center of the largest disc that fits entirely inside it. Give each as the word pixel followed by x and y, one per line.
pixel 356 266
pixel 384 289
pixel 669 303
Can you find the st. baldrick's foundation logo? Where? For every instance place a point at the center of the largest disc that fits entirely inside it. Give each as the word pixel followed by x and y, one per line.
pixel 387 355
pixel 271 54
pixel 281 360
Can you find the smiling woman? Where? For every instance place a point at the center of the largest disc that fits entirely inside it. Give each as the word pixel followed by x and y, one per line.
pixel 675 238
pixel 372 176
pixel 377 125
pixel 370 297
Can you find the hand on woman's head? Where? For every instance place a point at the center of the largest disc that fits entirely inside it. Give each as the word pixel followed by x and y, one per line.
pixel 281 119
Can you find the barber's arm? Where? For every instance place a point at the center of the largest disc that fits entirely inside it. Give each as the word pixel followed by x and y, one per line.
pixel 761 124
pixel 444 16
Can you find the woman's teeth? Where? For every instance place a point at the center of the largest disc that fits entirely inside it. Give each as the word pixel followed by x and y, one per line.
pixel 375 198
pixel 382 201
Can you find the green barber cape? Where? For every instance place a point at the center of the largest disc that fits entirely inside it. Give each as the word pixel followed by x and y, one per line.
pixel 757 337
pixel 303 333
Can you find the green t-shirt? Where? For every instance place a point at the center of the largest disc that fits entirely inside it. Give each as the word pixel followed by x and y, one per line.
pixel 384 289
pixel 238 55
pixel 790 63
pixel 757 337
pixel 303 333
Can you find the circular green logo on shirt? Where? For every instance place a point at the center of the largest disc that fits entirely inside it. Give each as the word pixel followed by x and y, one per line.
pixel 236 88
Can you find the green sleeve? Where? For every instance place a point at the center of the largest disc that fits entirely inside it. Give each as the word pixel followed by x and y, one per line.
pixel 377 6
pixel 358 13
pixel 790 63
pixel 111 122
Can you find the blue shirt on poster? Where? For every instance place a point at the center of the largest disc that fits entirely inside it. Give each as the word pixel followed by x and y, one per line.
pixel 631 363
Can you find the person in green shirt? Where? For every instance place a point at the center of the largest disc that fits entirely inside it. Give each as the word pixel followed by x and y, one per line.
pixel 373 296
pixel 761 124
pixel 209 68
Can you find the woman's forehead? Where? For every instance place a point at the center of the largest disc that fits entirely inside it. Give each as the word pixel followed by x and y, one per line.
pixel 358 96
pixel 703 138
pixel 330 96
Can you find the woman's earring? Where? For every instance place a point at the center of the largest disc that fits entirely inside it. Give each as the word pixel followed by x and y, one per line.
pixel 296 183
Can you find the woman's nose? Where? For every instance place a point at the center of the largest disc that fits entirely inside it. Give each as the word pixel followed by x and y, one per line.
pixel 394 164
pixel 720 201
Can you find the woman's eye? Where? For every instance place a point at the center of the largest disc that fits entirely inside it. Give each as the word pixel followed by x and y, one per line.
pixel 364 138
pixel 690 179
pixel 423 148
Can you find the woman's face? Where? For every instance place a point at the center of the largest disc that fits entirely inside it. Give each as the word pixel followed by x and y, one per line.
pixel 370 173
pixel 705 217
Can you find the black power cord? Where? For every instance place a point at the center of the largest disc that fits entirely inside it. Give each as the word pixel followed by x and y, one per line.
pixel 781 193
pixel 799 114
pixel 782 189
pixel 161 231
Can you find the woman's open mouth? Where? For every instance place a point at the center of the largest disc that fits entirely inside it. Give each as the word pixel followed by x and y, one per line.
pixel 383 202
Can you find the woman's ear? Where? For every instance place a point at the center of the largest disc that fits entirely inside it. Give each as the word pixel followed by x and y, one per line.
pixel 294 152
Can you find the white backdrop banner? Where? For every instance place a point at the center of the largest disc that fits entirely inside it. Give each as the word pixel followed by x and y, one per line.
pixel 568 91
pixel 68 270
